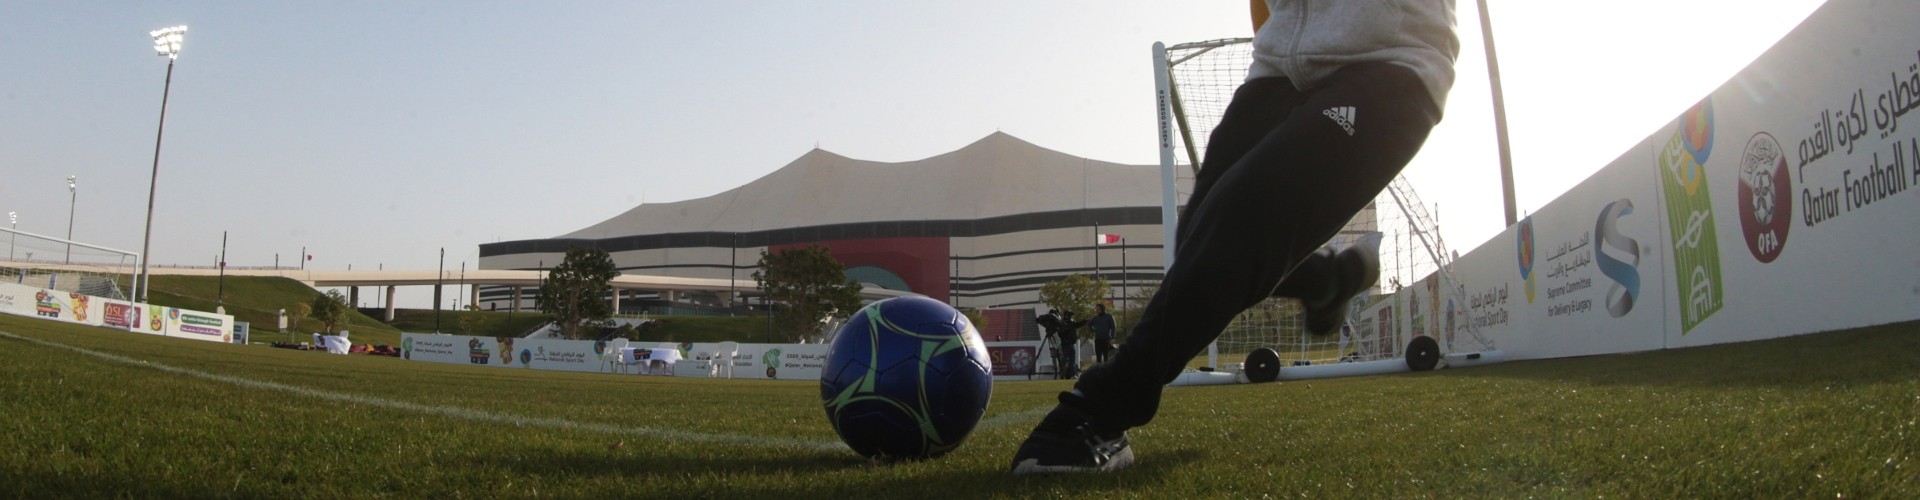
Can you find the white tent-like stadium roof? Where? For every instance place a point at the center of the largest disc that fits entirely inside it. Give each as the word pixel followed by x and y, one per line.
pixel 995 176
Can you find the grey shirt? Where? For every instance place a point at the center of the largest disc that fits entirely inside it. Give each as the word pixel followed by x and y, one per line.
pixel 1307 40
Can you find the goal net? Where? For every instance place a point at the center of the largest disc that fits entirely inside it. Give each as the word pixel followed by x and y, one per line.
pixel 69 266
pixel 1416 295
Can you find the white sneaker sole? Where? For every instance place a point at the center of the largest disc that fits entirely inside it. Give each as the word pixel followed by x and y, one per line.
pixel 1032 465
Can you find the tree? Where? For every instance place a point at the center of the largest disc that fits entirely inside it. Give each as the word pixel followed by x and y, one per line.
pixel 811 285
pixel 299 313
pixel 330 309
pixel 974 316
pixel 475 322
pixel 1075 293
pixel 576 292
pixel 1128 315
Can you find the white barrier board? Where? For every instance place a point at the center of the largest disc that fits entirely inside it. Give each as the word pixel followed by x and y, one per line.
pixel 68 307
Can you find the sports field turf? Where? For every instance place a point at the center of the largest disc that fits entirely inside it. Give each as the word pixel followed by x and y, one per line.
pixel 88 412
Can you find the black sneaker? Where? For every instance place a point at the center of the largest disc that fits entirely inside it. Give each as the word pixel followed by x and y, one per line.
pixel 1357 268
pixel 1067 441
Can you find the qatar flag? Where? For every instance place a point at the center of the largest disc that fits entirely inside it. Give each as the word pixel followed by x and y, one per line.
pixel 1106 239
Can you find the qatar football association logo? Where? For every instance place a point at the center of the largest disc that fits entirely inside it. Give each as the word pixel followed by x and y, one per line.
pixel 1766 197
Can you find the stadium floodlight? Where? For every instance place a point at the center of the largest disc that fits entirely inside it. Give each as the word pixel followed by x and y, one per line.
pixel 166 41
pixel 73 194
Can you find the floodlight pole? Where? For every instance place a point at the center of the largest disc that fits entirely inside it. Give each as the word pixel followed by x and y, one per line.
pixel 221 299
pixel 733 272
pixel 1096 251
pixel 168 44
pixel 1123 277
pixel 1499 116
pixel 146 244
pixel 440 278
pixel 73 196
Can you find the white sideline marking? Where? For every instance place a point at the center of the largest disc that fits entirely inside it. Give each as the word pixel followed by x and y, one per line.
pixel 451 411
pixel 997 421
pixel 1013 418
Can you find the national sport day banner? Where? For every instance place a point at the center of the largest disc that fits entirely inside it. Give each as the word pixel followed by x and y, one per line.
pixel 1432 306
pixel 1580 276
pixel 804 361
pixel 1782 204
pixel 189 324
pixel 50 304
pixel 757 361
pixel 88 310
pixel 1020 358
pixel 750 361
pixel 1790 190
pixel 506 352
pixel 762 361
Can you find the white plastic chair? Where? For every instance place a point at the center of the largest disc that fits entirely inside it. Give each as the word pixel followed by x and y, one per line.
pixel 722 360
pixel 615 349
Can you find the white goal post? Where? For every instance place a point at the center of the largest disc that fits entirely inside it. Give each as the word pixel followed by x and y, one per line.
pixel 59 264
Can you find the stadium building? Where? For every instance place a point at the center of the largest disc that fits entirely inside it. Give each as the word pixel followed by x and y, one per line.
pixel 980 227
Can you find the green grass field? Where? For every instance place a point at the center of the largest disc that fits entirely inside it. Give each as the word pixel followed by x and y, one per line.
pixel 258 301
pixel 90 412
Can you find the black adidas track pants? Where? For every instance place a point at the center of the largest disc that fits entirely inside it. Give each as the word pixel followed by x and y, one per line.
pixel 1284 170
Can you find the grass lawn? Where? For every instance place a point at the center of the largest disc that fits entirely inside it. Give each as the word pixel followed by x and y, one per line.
pixel 258 301
pixel 90 412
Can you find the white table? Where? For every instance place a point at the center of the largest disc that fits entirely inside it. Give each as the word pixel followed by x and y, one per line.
pixel 646 357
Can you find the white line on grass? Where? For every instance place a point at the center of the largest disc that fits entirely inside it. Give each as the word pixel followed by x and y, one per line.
pixel 997 421
pixel 1013 418
pixel 451 411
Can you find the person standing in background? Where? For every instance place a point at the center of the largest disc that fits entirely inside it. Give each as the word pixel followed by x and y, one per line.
pixel 1102 326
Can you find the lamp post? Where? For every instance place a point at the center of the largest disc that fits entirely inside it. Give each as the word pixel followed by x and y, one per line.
pixel 73 195
pixel 733 268
pixel 13 219
pixel 166 41
pixel 439 280
pixel 221 300
pixel 1499 115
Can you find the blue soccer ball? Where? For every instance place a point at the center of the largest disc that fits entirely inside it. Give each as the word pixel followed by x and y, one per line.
pixel 906 378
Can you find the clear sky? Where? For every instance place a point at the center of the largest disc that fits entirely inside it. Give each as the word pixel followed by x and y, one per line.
pixel 376 132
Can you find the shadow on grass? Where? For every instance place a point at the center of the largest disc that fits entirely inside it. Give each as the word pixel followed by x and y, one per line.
pixel 98 485
pixel 1862 356
pixel 735 472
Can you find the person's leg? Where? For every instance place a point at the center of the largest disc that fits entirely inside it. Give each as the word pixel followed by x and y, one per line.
pixel 1258 107
pixel 1260 218
pixel 1071 352
pixel 1251 224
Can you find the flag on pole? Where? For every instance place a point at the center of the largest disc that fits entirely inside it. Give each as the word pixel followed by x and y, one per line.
pixel 1106 239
